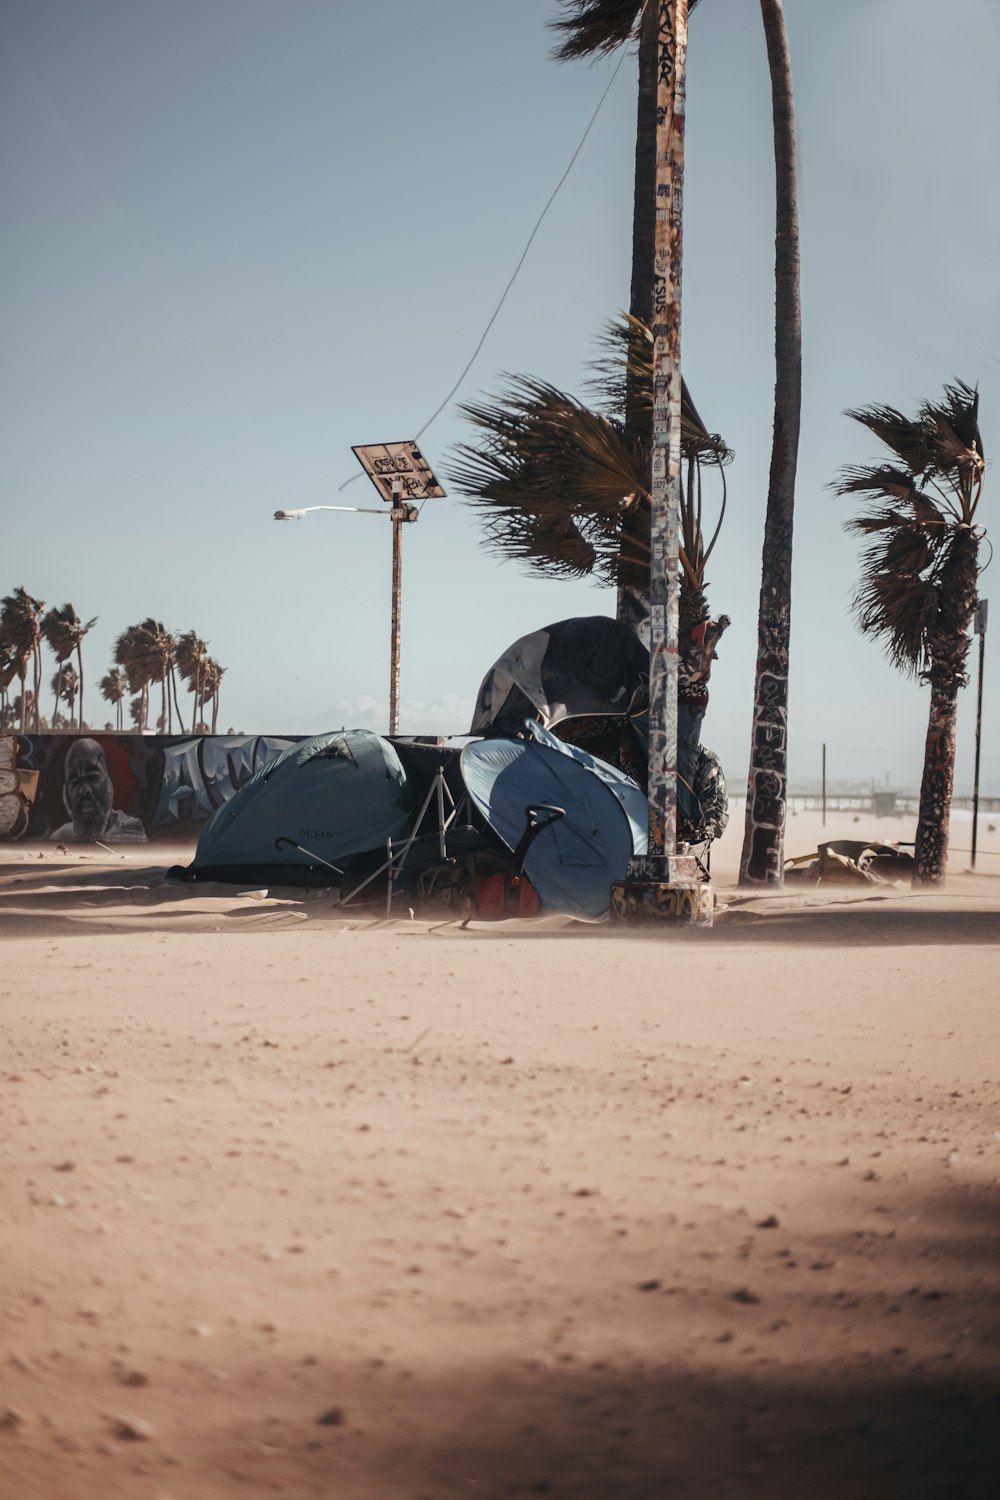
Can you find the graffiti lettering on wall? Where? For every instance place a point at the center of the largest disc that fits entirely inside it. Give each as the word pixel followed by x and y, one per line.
pixel 123 788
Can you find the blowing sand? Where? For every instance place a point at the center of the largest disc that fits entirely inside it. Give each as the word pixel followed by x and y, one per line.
pixel 304 1205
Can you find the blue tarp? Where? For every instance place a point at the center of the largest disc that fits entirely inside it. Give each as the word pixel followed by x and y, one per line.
pixel 335 794
pixel 572 863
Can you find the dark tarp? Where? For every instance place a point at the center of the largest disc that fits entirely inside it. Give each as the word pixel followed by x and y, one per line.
pixel 591 665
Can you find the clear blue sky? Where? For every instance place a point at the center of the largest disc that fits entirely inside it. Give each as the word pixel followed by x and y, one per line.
pixel 241 235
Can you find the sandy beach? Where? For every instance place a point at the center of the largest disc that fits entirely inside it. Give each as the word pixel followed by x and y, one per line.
pixel 299 1202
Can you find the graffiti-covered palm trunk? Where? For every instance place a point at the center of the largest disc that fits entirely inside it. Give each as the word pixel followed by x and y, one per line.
pixel 633 597
pixel 764 837
pixel 949 651
pixel 665 507
pixel 931 851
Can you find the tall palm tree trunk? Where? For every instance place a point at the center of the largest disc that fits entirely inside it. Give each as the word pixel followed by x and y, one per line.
pixel 58 692
pixel 764 836
pixel 931 851
pixel 947 674
pixel 644 195
pixel 633 601
pixel 79 668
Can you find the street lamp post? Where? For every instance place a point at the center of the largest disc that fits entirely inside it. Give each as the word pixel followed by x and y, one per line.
pixel 402 477
pixel 399 515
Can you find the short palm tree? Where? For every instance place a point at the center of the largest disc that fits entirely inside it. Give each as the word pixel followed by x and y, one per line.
pixel 147 652
pixel 8 674
pixel 65 684
pixel 919 578
pixel 212 675
pixel 192 657
pixel 114 686
pixel 138 653
pixel 64 632
pixel 21 643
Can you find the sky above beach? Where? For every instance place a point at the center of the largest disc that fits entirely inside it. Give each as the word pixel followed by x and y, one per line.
pixel 242 235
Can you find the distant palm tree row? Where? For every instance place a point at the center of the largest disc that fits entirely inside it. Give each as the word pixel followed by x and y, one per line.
pixel 146 656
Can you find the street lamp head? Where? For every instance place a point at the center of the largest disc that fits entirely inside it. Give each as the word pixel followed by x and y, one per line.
pixel 289 515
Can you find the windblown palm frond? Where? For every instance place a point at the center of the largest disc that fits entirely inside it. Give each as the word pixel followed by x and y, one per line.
pixel 917 586
pixel 556 480
pixel 596 27
pixel 623 375
pixel 550 477
pixel 942 445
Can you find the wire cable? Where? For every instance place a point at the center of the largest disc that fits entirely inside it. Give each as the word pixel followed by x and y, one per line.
pixel 524 255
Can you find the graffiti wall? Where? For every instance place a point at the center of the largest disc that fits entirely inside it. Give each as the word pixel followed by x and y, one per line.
pixel 122 788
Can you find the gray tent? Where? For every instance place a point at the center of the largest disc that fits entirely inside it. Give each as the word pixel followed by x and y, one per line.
pixel 333 796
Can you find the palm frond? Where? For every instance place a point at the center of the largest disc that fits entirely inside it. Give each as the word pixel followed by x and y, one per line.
pixel 547 468
pixel 887 481
pixel 907 438
pixel 550 475
pixel 592 28
pixel 899 610
pixel 959 412
pixel 623 369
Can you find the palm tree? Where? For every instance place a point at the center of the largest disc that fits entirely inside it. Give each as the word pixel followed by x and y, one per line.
pixel 763 856
pixel 192 655
pixel 147 652
pixel 919 575
pixel 64 631
pixel 8 674
pixel 114 686
pixel 212 675
pixel 26 711
pixel 137 653
pixel 66 685
pixel 21 639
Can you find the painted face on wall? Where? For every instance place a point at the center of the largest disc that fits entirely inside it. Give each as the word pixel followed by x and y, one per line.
pixel 87 791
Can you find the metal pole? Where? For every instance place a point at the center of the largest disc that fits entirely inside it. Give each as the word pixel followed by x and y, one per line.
pixel 397 516
pixel 980 627
pixel 664 580
pixel 824 786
